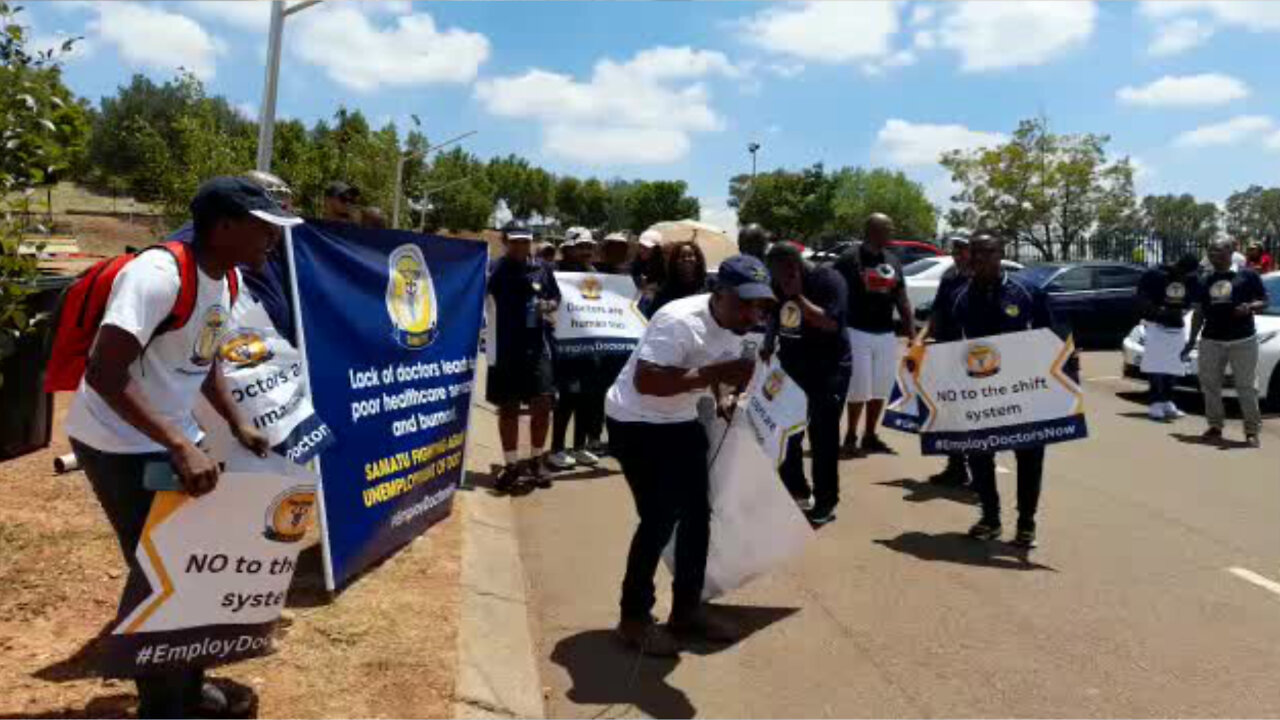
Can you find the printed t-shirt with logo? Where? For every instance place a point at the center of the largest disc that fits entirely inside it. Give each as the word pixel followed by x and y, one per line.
pixel 683 334
pixel 817 360
pixel 875 284
pixel 1219 295
pixel 172 366
pixel 1170 295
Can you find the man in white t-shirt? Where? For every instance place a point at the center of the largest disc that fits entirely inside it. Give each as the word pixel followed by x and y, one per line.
pixel 132 416
pixel 691 348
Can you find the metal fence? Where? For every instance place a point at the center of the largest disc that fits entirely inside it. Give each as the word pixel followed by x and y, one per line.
pixel 1143 249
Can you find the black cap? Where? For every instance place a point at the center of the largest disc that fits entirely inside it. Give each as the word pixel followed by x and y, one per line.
pixel 340 189
pixel 747 276
pixel 516 231
pixel 235 197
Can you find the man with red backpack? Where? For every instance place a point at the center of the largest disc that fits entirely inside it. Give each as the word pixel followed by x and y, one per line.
pixel 155 348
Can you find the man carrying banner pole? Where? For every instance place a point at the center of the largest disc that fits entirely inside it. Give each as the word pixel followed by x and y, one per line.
pixel 993 303
pixel 809 332
pixel 691 346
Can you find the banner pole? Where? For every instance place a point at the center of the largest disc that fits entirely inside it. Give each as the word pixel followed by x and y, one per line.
pixel 301 334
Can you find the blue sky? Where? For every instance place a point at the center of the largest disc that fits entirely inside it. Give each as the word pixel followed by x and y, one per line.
pixel 1188 89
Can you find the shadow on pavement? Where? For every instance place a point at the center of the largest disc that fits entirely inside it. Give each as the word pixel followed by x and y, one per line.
pixel 80 665
pixel 605 672
pixel 959 548
pixel 746 619
pixel 1221 444
pixel 307 589
pixel 921 491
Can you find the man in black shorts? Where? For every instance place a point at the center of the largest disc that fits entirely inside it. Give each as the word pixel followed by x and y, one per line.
pixel 525 298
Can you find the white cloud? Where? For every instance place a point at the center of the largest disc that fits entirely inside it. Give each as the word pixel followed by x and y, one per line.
pixel 1273 141
pixel 826 32
pixel 1185 91
pixel 1178 36
pixel 901 58
pixel 244 14
pixel 638 112
pixel 1014 33
pixel 247 110
pixel 1229 132
pixel 785 70
pixel 359 54
pixel 921 14
pixel 910 144
pixel 1185 24
pixel 150 37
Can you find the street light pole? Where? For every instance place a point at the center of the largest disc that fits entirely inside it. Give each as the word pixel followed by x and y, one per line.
pixel 404 157
pixel 753 148
pixel 267 113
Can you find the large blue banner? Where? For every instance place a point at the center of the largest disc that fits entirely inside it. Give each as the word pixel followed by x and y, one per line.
pixel 390 324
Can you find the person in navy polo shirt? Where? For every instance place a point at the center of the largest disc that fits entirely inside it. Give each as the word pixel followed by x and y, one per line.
pixel 809 331
pixel 525 298
pixel 993 303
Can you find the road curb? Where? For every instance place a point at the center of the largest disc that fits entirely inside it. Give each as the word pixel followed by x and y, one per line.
pixel 497 668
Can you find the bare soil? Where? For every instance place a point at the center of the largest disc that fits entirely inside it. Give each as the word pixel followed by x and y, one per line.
pixel 385 647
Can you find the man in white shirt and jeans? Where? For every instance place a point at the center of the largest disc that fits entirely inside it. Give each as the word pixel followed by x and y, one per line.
pixel 690 349
pixel 134 407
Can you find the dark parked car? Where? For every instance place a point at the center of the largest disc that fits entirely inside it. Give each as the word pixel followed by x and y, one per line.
pixel 908 251
pixel 1097 300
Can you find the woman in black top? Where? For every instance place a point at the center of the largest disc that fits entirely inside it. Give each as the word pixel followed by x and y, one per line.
pixel 686 274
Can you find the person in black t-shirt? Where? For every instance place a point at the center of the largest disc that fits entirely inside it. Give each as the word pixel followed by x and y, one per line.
pixel 1164 296
pixel 809 331
pixel 1226 301
pixel 876 288
pixel 956 473
pixel 686 275
pixel 525 297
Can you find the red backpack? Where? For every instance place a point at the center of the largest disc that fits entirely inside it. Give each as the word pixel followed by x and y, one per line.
pixel 84 303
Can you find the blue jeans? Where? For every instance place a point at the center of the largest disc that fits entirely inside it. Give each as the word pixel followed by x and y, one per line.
pixel 117 481
pixel 1161 387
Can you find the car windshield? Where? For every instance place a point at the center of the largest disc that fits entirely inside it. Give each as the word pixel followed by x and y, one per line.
pixel 920 266
pixel 1272 284
pixel 1038 275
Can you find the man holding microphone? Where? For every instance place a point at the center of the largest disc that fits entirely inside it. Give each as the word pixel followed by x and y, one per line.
pixel 691 348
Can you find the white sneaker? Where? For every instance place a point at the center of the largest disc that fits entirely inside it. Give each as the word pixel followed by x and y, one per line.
pixel 561 461
pixel 805 504
pixel 1172 412
pixel 1158 411
pixel 586 458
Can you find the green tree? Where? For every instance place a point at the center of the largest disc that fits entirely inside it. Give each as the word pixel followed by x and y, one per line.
pixel 527 190
pixel 596 203
pixel 1254 214
pixel 653 202
pixel 33 128
pixel 568 201
pixel 858 193
pixel 459 194
pixel 1048 190
pixel 1179 217
pixel 794 205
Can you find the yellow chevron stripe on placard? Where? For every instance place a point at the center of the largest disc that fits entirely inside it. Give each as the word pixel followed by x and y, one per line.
pixel 162 508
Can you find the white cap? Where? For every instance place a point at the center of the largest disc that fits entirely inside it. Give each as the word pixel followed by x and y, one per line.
pixel 650 238
pixel 579 236
pixel 616 237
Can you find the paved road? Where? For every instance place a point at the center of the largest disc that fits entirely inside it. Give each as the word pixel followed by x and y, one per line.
pixel 1130 608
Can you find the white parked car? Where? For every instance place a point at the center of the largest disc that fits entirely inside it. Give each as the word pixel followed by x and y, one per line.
pixel 1268 324
pixel 924 275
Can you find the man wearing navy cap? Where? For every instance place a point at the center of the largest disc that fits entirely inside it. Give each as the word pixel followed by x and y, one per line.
pixel 134 409
pixel 691 348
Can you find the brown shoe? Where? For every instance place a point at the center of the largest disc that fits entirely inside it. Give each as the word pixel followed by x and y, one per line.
pixel 704 626
pixel 648 638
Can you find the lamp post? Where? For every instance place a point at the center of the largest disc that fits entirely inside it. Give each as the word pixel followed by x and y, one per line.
pixel 405 157
pixel 267 113
pixel 753 148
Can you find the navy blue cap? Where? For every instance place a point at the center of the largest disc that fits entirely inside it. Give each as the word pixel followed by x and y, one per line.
pixel 747 276
pixel 235 197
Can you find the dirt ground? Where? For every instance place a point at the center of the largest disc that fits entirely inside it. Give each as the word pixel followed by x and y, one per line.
pixel 386 647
